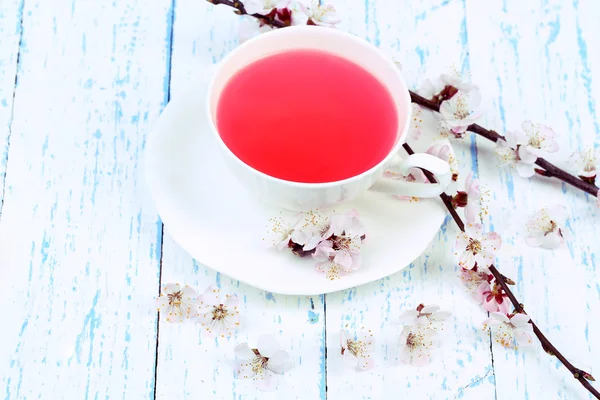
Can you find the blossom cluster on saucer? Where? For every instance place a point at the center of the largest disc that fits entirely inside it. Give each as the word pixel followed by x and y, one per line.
pixel 262 363
pixel 334 241
pixel 420 337
pixel 215 312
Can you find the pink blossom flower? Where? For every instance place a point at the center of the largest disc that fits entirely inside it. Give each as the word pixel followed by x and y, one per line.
pixel 176 303
pixel 544 228
pixel 493 299
pixel 477 281
pixel 418 342
pixel 473 207
pixel 279 232
pixel 476 248
pixel 262 363
pixel 358 349
pixel 342 247
pixel 511 330
pixel 461 110
pixel 322 15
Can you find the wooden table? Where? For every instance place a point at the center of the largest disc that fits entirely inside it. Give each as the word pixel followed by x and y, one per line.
pixel 84 251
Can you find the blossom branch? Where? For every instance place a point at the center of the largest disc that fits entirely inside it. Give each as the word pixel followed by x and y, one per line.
pixel 582 376
pixel 549 169
pixel 241 10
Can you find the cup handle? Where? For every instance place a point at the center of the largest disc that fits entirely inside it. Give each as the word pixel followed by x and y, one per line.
pixel 439 168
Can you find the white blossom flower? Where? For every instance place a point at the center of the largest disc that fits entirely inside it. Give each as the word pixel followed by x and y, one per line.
pixel 461 110
pixel 586 163
pixel 360 350
pixel 443 149
pixel 425 315
pixel 511 330
pixel 507 151
pixel 322 15
pixel 538 141
pixel 475 247
pixel 473 207
pixel 326 264
pixel 476 280
pixel 345 234
pixel 279 232
pixel 545 227
pixel 264 7
pixel 444 87
pixel 418 343
pixel 262 363
pixel 218 314
pixel 311 230
pixel 176 303
pixel 251 27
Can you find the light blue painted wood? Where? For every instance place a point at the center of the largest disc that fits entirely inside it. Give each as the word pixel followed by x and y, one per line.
pixel 190 364
pixel 542 57
pixel 80 247
pixel 410 32
pixel 81 243
pixel 10 32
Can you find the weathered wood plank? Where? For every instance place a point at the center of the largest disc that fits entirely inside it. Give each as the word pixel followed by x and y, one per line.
pixel 80 251
pixel 10 32
pixel 538 62
pixel 411 33
pixel 190 365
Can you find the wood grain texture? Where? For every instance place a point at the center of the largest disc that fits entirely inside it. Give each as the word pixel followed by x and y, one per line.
pixel 80 251
pixel 10 32
pixel 543 59
pixel 81 83
pixel 409 32
pixel 190 364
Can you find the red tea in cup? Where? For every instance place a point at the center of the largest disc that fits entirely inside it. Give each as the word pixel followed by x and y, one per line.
pixel 307 116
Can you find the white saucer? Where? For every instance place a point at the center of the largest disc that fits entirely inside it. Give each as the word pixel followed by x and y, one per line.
pixel 213 218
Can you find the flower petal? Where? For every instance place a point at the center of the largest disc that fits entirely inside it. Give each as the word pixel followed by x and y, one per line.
pixel 162 303
pixel 280 362
pixel 267 345
pixel 243 369
pixel 525 170
pixel 521 320
pixel 171 288
pixel 210 296
pixel 441 315
pixel 243 352
pixel 499 317
pixel 365 363
pixel 523 338
pixel 430 309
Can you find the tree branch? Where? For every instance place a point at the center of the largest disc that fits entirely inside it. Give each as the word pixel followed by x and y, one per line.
pixel 582 376
pixel 550 170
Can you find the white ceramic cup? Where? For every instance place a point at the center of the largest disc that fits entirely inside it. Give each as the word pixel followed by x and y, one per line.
pixel 307 196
